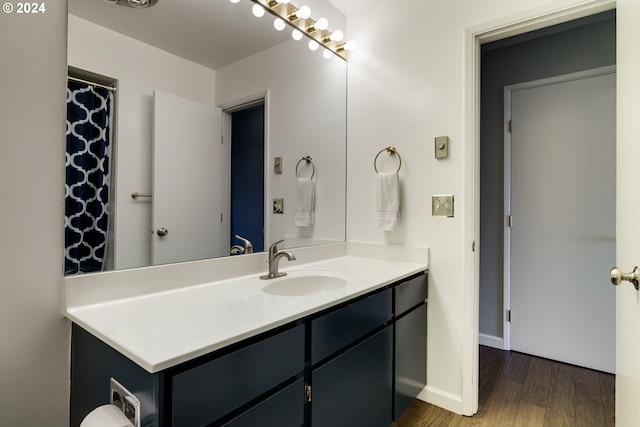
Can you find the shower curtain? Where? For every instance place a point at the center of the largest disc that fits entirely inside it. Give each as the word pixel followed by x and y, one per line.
pixel 88 158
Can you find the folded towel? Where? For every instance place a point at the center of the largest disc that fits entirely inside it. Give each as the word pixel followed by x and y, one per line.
pixel 305 203
pixel 388 200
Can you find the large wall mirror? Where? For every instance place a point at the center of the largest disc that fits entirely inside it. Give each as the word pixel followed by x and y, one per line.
pixel 185 64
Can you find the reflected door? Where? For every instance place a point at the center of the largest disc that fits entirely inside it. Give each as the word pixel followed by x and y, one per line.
pixel 186 180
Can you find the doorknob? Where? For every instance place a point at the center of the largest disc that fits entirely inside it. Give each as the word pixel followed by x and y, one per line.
pixel 617 276
pixel 162 232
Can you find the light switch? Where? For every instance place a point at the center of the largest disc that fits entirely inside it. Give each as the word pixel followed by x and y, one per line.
pixel 442 205
pixel 442 147
pixel 277 164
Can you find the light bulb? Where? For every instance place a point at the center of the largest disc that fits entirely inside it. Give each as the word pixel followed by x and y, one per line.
pixel 279 24
pixel 350 45
pixel 285 1
pixel 258 11
pixel 313 45
pixel 234 1
pixel 297 35
pixel 336 36
pixel 327 54
pixel 321 24
pixel 304 12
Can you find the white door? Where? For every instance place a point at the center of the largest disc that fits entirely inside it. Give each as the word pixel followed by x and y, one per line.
pixel 186 180
pixel 628 217
pixel 563 219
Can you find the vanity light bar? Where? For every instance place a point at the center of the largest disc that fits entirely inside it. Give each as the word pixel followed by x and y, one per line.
pixel 308 26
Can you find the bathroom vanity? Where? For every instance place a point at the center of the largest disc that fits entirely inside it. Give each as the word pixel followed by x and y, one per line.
pixel 354 356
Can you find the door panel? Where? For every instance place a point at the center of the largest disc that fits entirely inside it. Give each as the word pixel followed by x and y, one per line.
pixel 563 233
pixel 186 179
pixel 627 207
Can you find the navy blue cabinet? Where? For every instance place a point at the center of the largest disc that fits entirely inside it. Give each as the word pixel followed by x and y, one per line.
pixel 354 389
pixel 410 342
pixel 357 364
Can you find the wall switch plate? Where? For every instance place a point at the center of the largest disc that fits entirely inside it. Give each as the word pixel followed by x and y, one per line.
pixel 442 205
pixel 442 147
pixel 128 403
pixel 277 164
pixel 278 206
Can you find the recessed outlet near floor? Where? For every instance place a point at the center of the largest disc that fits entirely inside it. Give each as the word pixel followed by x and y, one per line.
pixel 442 205
pixel 126 401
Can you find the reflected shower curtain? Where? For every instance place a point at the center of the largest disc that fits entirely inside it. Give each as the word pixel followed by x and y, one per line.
pixel 88 158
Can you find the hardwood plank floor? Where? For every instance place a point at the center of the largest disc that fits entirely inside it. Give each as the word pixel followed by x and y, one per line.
pixel 518 390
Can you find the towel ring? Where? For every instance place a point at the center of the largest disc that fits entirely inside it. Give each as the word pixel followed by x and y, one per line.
pixel 308 160
pixel 391 151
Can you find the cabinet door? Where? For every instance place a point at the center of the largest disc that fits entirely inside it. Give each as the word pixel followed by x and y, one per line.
pixel 355 388
pixel 411 358
pixel 283 409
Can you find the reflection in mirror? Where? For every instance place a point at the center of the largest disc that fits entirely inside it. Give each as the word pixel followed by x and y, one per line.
pixel 215 55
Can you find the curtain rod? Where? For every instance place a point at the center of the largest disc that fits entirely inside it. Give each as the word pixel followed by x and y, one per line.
pixel 75 79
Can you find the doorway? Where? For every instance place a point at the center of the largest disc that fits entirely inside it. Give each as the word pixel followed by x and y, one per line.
pixel 247 176
pixel 577 45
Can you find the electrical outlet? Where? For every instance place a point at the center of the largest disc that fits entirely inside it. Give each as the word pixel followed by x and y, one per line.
pixel 278 206
pixel 126 401
pixel 442 205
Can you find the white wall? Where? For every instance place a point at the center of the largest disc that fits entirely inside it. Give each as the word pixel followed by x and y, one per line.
pixel 139 69
pixel 306 116
pixel 34 338
pixel 411 80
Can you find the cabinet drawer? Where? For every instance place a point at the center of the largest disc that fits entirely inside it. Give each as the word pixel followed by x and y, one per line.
pixel 207 392
pixel 339 328
pixel 409 294
pixel 283 409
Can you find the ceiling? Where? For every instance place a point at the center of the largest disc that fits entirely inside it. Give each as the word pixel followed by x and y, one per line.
pixel 213 33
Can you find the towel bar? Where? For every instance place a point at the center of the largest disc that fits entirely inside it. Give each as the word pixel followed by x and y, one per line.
pixel 391 151
pixel 308 160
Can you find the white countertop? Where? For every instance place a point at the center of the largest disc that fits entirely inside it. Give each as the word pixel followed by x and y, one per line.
pixel 158 330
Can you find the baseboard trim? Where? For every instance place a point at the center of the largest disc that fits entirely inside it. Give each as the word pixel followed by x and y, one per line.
pixel 491 341
pixel 440 398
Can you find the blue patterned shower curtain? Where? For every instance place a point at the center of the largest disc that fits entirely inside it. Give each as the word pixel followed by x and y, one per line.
pixel 88 159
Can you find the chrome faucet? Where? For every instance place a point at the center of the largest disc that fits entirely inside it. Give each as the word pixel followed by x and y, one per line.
pixel 274 260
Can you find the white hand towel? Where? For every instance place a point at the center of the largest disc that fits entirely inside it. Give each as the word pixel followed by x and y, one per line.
pixel 388 200
pixel 305 203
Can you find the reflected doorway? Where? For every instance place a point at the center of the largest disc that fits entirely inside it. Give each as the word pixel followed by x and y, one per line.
pixel 247 176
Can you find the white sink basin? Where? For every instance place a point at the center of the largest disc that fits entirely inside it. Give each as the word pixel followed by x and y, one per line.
pixel 306 283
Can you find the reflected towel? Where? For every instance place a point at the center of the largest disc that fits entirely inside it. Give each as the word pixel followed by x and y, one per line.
pixel 305 203
pixel 388 200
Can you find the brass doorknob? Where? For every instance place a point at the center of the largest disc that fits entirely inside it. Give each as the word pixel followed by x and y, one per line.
pixel 617 276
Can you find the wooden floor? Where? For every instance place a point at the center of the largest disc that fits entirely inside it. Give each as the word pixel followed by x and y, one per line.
pixel 521 390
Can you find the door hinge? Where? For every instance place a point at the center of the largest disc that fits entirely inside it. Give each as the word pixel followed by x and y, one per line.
pixel 307 393
pixel 509 221
pixel 221 139
pixel 473 246
pixel 509 126
pixel 508 315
